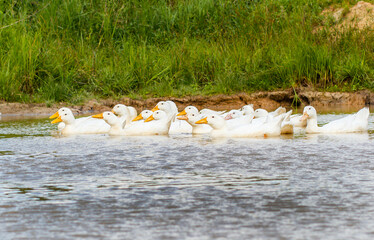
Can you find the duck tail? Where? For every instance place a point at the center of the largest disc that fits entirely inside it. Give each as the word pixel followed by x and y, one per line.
pixel 363 114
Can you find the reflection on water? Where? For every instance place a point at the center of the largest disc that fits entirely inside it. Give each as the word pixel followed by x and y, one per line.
pixel 303 186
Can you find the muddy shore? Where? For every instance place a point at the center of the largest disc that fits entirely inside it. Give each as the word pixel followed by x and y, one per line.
pixel 266 100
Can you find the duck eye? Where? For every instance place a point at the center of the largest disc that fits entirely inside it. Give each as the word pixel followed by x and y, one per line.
pixel 66 114
pixel 212 116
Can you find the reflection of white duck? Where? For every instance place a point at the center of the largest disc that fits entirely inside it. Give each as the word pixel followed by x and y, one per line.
pixel 177 126
pixel 192 118
pixel 357 122
pixel 86 125
pixel 220 128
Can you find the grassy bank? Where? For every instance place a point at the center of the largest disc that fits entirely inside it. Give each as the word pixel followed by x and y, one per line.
pixel 70 50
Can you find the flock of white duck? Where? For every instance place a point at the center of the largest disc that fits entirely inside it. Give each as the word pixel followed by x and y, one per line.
pixel 164 119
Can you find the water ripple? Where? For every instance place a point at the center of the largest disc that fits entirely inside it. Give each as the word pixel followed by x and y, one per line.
pixel 100 187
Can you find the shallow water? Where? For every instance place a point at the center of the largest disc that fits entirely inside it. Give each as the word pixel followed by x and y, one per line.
pixel 184 187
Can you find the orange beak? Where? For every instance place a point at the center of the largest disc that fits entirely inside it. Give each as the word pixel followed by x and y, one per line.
pixel 139 117
pixel 149 119
pixel 56 115
pixel 304 117
pixel 184 117
pixel 182 113
pixel 155 109
pixel 101 116
pixel 228 117
pixel 57 120
pixel 202 121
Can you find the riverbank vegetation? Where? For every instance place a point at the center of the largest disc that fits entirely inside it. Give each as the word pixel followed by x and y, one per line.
pixel 72 50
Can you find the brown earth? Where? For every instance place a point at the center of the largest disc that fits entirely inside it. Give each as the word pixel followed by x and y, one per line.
pixel 359 17
pixel 266 100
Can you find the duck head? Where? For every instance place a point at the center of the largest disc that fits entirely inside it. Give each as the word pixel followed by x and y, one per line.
pixel 67 117
pixel 143 115
pixel 191 118
pixel 157 115
pixel 187 110
pixel 309 112
pixel 60 112
pixel 120 110
pixel 233 114
pixel 215 121
pixel 109 117
pixel 247 109
pixel 260 113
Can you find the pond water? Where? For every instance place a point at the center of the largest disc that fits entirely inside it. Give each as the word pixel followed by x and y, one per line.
pixel 184 187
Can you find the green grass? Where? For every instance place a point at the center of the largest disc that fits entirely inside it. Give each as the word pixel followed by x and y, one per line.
pixel 72 50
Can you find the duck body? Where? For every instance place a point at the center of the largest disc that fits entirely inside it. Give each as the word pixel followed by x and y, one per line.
pixel 357 122
pixel 271 127
pixel 84 125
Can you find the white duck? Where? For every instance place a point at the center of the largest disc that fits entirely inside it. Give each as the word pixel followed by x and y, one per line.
pixel 247 109
pixel 156 124
pixel 117 125
pixel 205 111
pixel 86 125
pixel 235 118
pixel 192 118
pixel 297 121
pixel 60 112
pixel 159 126
pixel 177 126
pixel 126 113
pixel 263 113
pixel 63 110
pixel 220 128
pixel 357 122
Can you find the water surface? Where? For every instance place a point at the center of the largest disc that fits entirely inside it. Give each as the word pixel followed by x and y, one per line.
pixel 184 187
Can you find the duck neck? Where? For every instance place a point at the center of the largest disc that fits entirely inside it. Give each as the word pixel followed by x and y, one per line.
pixel 311 125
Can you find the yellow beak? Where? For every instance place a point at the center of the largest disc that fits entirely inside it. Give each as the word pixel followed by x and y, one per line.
pixel 184 117
pixel 155 109
pixel 56 115
pixel 113 111
pixel 139 117
pixel 57 120
pixel 100 115
pixel 304 117
pixel 202 121
pixel 149 119
pixel 182 113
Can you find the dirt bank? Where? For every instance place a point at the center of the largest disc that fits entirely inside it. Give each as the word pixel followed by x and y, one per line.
pixel 266 100
pixel 358 17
